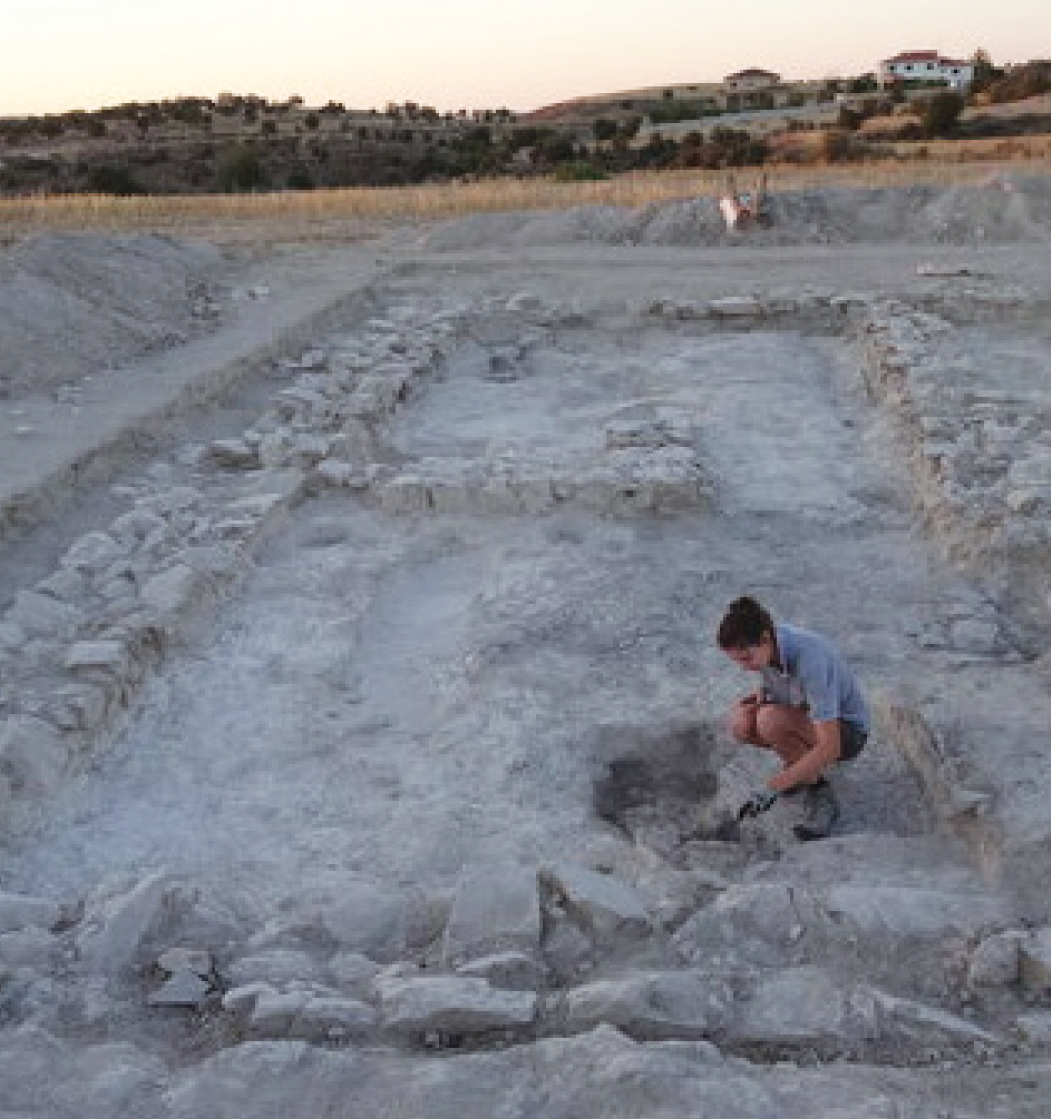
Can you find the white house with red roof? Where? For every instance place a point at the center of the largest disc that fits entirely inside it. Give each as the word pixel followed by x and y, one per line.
pixel 752 78
pixel 925 66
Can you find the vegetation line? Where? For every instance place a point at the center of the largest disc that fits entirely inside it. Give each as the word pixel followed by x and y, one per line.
pixel 185 213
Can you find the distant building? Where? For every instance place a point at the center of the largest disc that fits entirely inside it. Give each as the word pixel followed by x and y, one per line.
pixel 752 79
pixel 927 66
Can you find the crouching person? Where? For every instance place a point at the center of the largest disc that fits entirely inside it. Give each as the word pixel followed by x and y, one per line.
pixel 807 708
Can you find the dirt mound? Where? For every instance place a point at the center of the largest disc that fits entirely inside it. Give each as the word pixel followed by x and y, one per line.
pixel 999 209
pixel 71 303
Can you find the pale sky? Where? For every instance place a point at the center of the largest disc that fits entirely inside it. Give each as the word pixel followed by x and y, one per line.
pixel 58 55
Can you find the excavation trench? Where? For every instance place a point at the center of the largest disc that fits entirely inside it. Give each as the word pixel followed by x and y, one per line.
pixel 476 666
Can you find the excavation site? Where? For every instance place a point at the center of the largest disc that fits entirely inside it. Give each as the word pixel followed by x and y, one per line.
pixel 363 728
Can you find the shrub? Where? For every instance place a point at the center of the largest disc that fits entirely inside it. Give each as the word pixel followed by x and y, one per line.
pixel 604 129
pixel 838 145
pixel 940 112
pixel 241 170
pixel 578 171
pixel 114 180
pixel 299 178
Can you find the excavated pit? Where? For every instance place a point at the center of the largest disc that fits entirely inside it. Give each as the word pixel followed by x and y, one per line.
pixel 655 778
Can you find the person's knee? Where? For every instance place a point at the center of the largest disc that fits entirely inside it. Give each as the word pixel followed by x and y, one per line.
pixel 771 723
pixel 741 724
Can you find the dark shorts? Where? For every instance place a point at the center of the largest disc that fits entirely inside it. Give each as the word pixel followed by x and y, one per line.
pixel 852 740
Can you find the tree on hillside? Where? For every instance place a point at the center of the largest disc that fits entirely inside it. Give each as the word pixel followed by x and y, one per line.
pixel 985 73
pixel 604 129
pixel 940 112
pixel 241 169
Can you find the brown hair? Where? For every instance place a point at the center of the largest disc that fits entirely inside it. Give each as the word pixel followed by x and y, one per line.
pixel 744 624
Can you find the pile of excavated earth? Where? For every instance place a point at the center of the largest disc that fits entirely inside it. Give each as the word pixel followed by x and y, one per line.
pixel 362 743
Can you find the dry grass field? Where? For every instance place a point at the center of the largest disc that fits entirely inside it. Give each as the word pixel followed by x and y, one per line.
pixel 342 214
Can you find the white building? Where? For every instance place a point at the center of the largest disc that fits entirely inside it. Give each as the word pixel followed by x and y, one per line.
pixel 927 66
pixel 752 78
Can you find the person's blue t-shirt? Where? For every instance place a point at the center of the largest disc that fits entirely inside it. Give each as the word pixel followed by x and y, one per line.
pixel 812 674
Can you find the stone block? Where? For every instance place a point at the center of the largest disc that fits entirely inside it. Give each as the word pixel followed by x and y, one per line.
pixel 241 1000
pixel 971 635
pixel 513 971
pixel 912 911
pixel 108 655
pixel 335 472
pixel 92 552
pixel 40 615
pixel 33 756
pixel 996 960
pixel 371 919
pixel 118 924
pixel 602 904
pixel 275 1011
pixel 333 1017
pixel 82 706
pixel 234 453
pixel 136 526
pixel 1035 1028
pixel 917 1022
pixel 169 502
pixel 804 1005
pixel 194 960
pixel 173 591
pixel 184 989
pixel 1035 960
pixel 452 1004
pixel 493 909
pixel 66 584
pixel 652 1007
pixel 276 967
pixel 407 493
pixel 736 306
pixel 750 921
pixel 353 970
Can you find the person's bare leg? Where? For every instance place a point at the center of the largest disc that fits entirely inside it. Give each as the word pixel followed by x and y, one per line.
pixel 788 731
pixel 742 723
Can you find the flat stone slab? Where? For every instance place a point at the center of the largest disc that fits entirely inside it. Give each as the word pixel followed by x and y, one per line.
pixel 109 655
pixel 601 902
pixel 455 1005
pixel 654 1006
pixel 493 909
pixel 184 989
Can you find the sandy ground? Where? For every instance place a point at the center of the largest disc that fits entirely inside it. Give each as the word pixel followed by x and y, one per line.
pixel 425 674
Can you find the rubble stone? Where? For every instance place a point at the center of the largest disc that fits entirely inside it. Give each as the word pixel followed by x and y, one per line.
pixel 493 909
pixel 33 757
pixel 456 1005
pixel 1035 961
pixel 602 904
pixel 118 924
pixel 677 1004
pixel 804 1004
pixel 183 989
pixel 996 961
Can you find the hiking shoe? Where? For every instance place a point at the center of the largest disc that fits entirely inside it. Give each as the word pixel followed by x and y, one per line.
pixel 821 815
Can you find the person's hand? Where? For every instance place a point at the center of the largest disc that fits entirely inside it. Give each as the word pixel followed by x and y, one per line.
pixel 762 800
